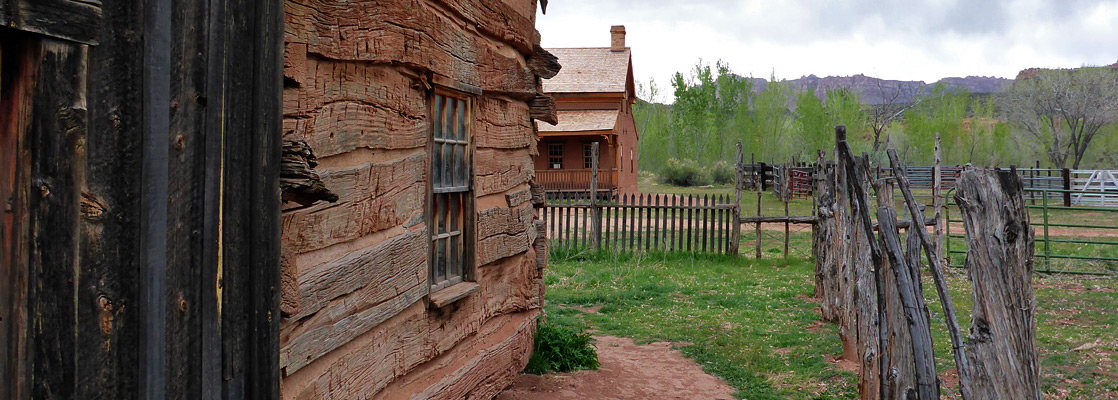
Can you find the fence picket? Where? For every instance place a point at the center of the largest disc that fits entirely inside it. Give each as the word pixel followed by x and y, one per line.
pixel 672 225
pixel 690 220
pixel 656 224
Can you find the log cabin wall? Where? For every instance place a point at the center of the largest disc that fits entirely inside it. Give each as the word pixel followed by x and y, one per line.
pixel 360 78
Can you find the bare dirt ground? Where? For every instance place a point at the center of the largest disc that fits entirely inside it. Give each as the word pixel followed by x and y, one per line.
pixel 628 371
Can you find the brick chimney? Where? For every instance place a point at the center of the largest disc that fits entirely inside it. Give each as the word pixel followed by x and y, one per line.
pixel 617 38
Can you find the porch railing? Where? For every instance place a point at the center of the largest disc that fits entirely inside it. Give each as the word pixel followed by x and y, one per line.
pixel 575 180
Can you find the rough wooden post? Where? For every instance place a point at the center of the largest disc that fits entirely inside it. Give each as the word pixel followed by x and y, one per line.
pixel 787 178
pixel 937 204
pixel 735 233
pixel 595 208
pixel 937 272
pixel 1001 347
pixel 923 360
pixel 758 241
pixel 823 192
pixel 1066 174
pixel 853 245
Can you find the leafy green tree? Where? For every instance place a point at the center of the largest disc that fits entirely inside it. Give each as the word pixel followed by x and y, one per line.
pixel 816 118
pixel 766 121
pixel 704 104
pixel 1063 110
pixel 942 110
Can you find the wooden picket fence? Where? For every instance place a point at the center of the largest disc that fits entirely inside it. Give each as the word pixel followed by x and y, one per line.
pixel 642 222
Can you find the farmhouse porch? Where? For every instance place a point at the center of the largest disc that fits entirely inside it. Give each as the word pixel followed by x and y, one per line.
pixel 564 164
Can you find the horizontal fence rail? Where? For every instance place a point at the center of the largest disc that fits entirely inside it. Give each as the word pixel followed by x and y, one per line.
pixel 1069 239
pixel 640 222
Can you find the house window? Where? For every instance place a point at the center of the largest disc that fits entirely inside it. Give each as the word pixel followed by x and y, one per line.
pixel 451 195
pixel 621 156
pixel 587 156
pixel 555 156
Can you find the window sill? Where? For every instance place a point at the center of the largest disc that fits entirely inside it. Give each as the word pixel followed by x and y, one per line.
pixel 449 295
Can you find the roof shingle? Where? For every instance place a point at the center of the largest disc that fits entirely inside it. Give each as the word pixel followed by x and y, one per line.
pixel 582 120
pixel 589 70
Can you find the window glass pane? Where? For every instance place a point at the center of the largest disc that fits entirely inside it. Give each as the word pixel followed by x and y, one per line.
pixel 448 161
pixel 455 257
pixel 440 214
pixel 440 266
pixel 461 119
pixel 438 118
pixel 455 211
pixel 436 165
pixel 451 117
pixel 462 169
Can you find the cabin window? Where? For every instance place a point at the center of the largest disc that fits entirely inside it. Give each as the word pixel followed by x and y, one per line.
pixel 555 156
pixel 451 195
pixel 587 155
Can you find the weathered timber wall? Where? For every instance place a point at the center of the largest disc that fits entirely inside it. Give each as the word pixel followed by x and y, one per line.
pixel 358 77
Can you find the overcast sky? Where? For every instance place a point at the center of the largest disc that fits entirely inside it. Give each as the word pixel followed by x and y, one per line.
pixel 908 40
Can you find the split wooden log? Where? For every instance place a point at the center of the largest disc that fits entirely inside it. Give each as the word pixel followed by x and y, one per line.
pixel 895 341
pixel 867 302
pixel 936 268
pixel 542 63
pixel 823 191
pixel 298 180
pixel 918 325
pixel 1001 347
pixel 864 283
pixel 542 108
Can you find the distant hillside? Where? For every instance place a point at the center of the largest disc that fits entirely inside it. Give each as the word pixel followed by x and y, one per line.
pixel 1031 72
pixel 878 91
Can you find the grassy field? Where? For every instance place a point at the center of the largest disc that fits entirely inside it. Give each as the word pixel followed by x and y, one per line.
pixel 753 323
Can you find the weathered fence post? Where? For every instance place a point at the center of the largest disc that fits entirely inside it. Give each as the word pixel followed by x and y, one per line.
pixel 823 193
pixel 1066 174
pixel 937 204
pixel 918 228
pixel 923 359
pixel 1002 344
pixel 786 176
pixel 735 235
pixel 853 248
pixel 759 193
pixel 595 208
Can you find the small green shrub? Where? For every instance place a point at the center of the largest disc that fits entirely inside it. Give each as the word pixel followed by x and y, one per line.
pixel 722 173
pixel 682 173
pixel 561 348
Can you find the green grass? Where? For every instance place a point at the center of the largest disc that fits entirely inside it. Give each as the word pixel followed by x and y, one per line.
pixel 747 322
pixel 752 323
pixel 561 347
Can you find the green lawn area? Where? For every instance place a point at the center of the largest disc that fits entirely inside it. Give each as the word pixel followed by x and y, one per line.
pixel 753 323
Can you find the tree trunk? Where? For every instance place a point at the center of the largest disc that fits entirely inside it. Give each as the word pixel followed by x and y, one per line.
pixel 1002 341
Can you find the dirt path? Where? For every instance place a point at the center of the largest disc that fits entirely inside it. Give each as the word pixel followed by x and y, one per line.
pixel 628 371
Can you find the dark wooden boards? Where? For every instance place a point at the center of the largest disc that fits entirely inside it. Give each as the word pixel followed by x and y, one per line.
pixel 151 212
pixel 70 20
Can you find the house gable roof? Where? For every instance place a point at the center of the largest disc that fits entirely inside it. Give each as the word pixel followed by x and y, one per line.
pixel 592 70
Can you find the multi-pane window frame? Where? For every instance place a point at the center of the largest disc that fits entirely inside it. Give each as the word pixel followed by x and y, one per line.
pixel 450 189
pixel 555 156
pixel 587 155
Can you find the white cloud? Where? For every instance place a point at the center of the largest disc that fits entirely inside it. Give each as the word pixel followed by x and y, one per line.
pixel 910 40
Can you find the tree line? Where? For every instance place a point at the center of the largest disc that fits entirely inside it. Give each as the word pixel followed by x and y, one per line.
pixel 1061 118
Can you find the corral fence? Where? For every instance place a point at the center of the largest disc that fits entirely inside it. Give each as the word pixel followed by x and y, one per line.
pixel 641 222
pixel 1078 239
